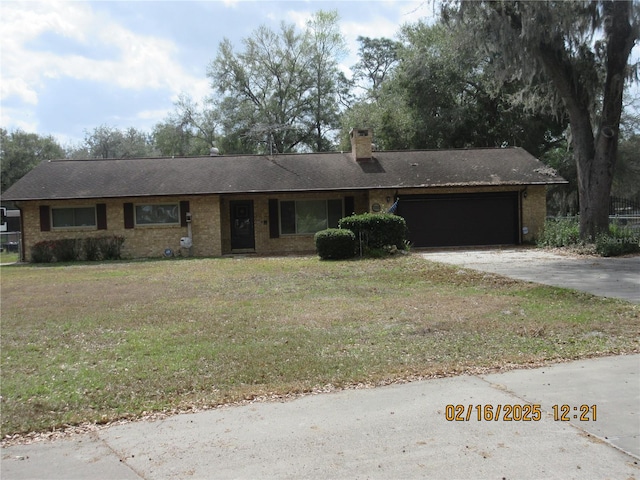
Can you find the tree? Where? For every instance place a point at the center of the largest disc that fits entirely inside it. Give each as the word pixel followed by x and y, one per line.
pixel 189 130
pixel 439 94
pixel 626 180
pixel 576 53
pixel 385 112
pixel 109 142
pixel 267 84
pixel 21 151
pixel 280 91
pixel 392 121
pixel 327 47
pixel 456 101
pixel 378 57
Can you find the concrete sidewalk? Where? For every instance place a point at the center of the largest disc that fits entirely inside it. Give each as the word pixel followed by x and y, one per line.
pixel 617 277
pixel 398 431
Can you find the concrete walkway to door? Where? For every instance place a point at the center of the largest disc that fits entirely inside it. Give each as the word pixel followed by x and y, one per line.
pixel 617 277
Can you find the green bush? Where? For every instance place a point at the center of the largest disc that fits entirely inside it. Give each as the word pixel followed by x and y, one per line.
pixel 71 249
pixel 67 249
pixel 377 230
pixel 42 252
pixel 335 244
pixel 566 233
pixel 619 241
pixel 92 249
pixel 111 247
pixel 561 232
pixel 61 250
pixel 103 248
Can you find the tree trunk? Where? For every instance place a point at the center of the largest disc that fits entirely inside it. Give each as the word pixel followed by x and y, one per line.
pixel 595 176
pixel 594 199
pixel 595 152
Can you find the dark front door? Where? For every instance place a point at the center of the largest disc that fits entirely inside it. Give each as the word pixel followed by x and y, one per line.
pixel 242 237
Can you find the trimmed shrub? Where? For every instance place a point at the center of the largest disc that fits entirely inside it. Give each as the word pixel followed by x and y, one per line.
pixel 103 248
pixel 42 252
pixel 335 244
pixel 92 249
pixel 377 230
pixel 70 249
pixel 67 249
pixel 111 247
pixel 63 250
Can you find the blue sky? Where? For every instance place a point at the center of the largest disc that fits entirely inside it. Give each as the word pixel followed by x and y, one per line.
pixel 70 66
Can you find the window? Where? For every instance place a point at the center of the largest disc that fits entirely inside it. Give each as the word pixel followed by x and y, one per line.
pixel 73 217
pixel 165 214
pixel 309 216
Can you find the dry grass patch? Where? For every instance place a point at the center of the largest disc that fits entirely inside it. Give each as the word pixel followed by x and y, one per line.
pixel 98 342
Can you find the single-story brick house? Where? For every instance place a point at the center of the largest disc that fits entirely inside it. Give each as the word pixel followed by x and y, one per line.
pixel 273 204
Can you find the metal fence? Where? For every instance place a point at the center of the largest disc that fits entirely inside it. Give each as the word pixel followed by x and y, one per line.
pixel 622 211
pixel 10 241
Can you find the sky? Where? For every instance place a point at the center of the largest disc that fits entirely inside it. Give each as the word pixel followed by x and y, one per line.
pixel 68 67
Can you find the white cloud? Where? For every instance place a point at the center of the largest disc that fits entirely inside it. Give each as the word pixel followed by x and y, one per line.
pixel 18 119
pixel 153 114
pixel 298 18
pixel 136 61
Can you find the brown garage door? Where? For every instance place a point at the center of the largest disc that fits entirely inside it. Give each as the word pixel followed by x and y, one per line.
pixel 460 220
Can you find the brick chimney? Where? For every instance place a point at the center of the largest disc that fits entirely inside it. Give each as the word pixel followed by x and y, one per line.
pixel 361 144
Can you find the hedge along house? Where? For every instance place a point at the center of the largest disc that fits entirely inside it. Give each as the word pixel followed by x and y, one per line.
pixel 224 204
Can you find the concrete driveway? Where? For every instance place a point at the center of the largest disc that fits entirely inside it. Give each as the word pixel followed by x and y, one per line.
pixel 617 277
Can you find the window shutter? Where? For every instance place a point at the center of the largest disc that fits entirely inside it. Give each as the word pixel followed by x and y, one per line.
pixel 184 208
pixel 101 215
pixel 128 215
pixel 349 206
pixel 274 227
pixel 45 218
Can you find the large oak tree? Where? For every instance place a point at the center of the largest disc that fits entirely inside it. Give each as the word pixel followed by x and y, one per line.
pixel 577 54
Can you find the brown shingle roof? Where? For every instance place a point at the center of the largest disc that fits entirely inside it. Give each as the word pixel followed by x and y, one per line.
pixel 65 179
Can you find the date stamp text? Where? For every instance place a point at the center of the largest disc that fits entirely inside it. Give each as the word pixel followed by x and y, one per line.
pixel 517 413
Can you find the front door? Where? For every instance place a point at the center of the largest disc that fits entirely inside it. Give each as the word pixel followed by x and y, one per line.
pixel 242 237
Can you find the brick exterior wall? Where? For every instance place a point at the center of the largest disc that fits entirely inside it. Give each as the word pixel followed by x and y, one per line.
pixel 534 212
pixel 211 225
pixel 141 241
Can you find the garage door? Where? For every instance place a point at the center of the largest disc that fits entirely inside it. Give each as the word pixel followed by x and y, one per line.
pixel 460 220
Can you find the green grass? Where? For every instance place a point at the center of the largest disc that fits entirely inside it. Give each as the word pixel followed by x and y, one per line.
pixel 98 342
pixel 8 257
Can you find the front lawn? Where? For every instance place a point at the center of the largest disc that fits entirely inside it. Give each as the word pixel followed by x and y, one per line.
pixel 8 257
pixel 105 341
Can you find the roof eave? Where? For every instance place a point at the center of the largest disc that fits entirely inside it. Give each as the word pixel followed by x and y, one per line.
pixel 290 190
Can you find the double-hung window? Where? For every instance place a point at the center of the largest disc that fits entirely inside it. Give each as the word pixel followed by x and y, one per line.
pixel 309 216
pixel 158 214
pixel 73 217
